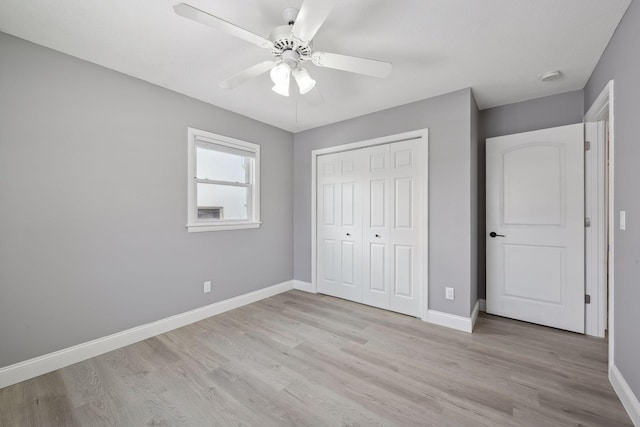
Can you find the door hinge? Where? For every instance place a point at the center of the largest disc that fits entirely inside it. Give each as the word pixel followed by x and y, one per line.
pixel 587 222
pixel 587 299
pixel 587 145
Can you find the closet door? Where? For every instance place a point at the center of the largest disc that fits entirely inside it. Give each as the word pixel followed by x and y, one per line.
pixel 405 234
pixel 393 204
pixel 339 213
pixel 369 226
pixel 376 220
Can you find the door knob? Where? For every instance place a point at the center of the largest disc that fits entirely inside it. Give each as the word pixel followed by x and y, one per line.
pixel 377 235
pixel 494 234
pixel 348 234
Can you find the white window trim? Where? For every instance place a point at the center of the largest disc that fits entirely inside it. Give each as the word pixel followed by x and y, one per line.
pixel 195 135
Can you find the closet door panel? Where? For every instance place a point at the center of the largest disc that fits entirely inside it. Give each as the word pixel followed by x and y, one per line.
pixel 403 203
pixel 375 232
pixel 403 271
pixel 350 231
pixel 348 204
pixel 339 240
pixel 405 232
pixel 328 214
pixel 377 271
pixel 377 201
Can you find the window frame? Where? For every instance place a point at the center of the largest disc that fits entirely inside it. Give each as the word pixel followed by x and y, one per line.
pixel 196 137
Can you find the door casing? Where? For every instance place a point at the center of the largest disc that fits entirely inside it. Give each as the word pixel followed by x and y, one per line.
pixel 602 109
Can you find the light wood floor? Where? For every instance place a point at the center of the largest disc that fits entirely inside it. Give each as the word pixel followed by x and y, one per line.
pixel 301 359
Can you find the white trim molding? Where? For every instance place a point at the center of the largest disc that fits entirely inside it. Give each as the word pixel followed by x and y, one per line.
pixel 31 368
pixel 474 314
pixel 596 234
pixel 626 395
pixel 224 144
pixel 602 105
pixel 603 109
pixel 303 286
pixel 199 228
pixel 453 321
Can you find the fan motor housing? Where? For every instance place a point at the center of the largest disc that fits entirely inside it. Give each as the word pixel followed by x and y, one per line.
pixel 283 40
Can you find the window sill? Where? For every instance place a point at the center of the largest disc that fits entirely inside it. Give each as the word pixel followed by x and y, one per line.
pixel 197 228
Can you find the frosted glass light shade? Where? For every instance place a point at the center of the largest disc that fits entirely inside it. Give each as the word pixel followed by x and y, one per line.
pixel 280 73
pixel 304 80
pixel 281 78
pixel 281 88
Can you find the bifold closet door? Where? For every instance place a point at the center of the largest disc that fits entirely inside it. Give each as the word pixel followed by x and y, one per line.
pixel 369 217
pixel 339 223
pixel 392 218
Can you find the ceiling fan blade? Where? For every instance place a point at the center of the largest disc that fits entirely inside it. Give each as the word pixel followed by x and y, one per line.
pixel 312 15
pixel 248 74
pixel 190 12
pixel 352 64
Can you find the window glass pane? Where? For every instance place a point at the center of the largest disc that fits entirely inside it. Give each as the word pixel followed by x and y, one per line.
pixel 219 166
pixel 222 202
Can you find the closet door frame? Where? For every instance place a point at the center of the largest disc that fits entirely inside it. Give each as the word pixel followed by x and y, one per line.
pixel 423 136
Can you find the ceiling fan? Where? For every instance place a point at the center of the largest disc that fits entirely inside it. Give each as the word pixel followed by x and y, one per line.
pixel 290 45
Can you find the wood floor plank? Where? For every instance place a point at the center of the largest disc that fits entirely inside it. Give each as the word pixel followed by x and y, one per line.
pixel 301 359
pixel 38 402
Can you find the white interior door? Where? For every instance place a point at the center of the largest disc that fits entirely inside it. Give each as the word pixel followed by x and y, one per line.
pixel 535 226
pixel 339 252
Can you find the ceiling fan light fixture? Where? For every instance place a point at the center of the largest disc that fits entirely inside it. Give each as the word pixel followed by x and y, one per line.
pixel 281 89
pixel 281 73
pixel 281 78
pixel 304 80
pixel 290 45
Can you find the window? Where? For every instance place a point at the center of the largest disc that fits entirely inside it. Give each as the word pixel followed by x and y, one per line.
pixel 224 183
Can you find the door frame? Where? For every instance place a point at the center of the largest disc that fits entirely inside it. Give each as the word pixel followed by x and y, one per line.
pixel 602 110
pixel 421 135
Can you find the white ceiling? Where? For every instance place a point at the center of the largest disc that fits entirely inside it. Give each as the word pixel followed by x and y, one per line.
pixel 497 47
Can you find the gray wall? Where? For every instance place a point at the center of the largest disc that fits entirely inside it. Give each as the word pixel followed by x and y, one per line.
pixel 541 113
pixel 448 120
pixel 621 62
pixel 93 204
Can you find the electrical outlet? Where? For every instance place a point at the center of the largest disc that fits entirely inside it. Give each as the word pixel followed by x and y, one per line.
pixel 207 286
pixel 448 293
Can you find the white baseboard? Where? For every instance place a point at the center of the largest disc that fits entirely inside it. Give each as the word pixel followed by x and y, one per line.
pixel 474 314
pixel 460 323
pixel 626 395
pixel 303 286
pixel 22 371
pixel 483 305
